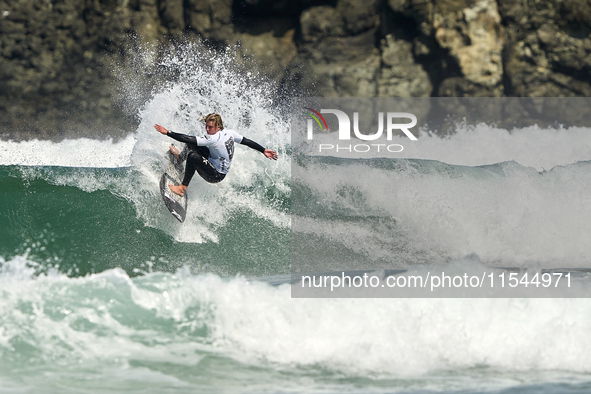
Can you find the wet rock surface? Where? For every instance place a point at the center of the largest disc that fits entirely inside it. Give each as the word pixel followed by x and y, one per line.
pixel 60 59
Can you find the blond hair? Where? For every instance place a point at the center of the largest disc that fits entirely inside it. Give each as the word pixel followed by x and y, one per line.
pixel 216 118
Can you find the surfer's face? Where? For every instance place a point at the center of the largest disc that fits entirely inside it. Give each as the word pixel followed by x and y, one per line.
pixel 211 127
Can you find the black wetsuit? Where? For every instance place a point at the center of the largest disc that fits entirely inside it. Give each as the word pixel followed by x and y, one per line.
pixel 197 158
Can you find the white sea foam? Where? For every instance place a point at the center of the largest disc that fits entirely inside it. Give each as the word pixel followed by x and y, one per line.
pixel 107 320
pixel 506 214
pixel 402 337
pixel 82 152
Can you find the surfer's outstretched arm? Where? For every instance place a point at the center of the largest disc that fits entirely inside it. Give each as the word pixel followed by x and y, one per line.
pixel 186 139
pixel 253 145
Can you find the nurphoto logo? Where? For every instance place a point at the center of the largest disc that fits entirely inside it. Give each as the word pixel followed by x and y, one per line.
pixel 393 123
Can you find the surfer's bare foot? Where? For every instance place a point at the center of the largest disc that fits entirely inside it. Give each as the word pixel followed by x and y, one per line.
pixel 180 189
pixel 174 151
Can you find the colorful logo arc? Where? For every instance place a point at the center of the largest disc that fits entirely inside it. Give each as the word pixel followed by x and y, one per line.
pixel 315 115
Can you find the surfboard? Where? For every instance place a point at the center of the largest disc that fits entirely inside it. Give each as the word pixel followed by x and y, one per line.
pixel 173 175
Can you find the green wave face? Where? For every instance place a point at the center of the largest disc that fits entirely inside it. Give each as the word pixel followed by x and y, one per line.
pixel 85 231
pixel 88 220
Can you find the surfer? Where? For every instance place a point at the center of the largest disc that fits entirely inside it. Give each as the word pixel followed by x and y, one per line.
pixel 210 155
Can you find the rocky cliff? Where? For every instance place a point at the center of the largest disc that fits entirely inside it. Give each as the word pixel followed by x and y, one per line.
pixel 59 58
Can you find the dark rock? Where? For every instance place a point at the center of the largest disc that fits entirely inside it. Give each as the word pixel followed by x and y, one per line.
pixel 548 47
pixel 462 87
pixel 321 22
pixel 257 8
pixel 57 57
pixel 9 27
pixel 400 75
pixel 358 17
pixel 173 15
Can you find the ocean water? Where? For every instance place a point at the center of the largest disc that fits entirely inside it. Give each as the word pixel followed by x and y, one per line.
pixel 102 290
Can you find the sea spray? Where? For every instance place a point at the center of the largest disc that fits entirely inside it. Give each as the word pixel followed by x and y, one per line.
pixel 245 102
pixel 190 329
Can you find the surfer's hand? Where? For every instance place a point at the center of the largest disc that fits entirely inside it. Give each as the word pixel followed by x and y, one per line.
pixel 271 154
pixel 160 129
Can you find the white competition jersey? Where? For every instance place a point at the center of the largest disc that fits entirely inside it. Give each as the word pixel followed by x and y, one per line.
pixel 221 148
